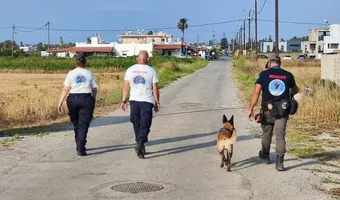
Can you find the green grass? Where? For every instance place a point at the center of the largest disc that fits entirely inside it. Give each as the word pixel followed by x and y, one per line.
pixel 306 152
pixel 167 76
pixel 295 137
pixel 65 64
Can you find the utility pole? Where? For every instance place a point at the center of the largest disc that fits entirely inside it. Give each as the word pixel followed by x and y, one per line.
pixel 198 40
pixel 13 32
pixel 277 27
pixel 213 38
pixel 244 35
pixel 240 36
pixel 249 40
pixel 256 44
pixel 49 38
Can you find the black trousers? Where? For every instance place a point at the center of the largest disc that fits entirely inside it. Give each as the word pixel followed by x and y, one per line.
pixel 141 118
pixel 81 107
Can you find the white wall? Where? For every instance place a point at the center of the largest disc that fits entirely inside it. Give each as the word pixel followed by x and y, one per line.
pixel 330 67
pixel 132 49
pixel 64 54
pixel 84 44
pixel 284 44
pixel 265 45
pixel 334 39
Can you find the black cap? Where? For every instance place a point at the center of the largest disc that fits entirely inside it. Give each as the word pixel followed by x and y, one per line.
pixel 81 57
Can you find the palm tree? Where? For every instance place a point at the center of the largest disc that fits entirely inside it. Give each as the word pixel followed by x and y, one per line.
pixel 182 25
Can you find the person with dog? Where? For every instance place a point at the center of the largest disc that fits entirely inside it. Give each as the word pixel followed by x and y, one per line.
pixel 81 86
pixel 144 96
pixel 277 86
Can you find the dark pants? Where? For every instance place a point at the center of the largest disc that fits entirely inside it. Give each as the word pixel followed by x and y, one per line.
pixel 81 107
pixel 280 132
pixel 141 118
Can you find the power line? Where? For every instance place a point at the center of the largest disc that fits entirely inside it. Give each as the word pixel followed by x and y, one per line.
pixel 289 22
pixel 5 27
pixel 34 30
pixel 265 1
pixel 116 30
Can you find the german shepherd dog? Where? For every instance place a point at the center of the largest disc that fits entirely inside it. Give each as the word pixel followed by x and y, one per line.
pixel 225 140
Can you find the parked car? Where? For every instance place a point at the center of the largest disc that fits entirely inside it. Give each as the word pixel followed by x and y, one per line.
pixel 287 57
pixel 262 56
pixel 301 57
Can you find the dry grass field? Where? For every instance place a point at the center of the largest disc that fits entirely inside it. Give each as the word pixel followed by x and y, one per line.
pixel 31 99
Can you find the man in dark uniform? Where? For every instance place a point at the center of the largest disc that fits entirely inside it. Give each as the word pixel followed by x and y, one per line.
pixel 276 85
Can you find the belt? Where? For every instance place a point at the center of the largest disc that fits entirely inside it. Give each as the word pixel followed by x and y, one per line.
pixel 79 95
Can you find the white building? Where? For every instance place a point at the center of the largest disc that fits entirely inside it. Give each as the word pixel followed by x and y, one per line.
pixel 269 46
pixel 98 47
pixel 28 49
pixel 131 49
pixel 332 42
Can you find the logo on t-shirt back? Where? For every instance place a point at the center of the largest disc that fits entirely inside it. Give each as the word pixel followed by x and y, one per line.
pixel 80 79
pixel 277 87
pixel 139 80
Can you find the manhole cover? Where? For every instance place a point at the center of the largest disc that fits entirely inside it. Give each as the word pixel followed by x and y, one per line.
pixel 136 188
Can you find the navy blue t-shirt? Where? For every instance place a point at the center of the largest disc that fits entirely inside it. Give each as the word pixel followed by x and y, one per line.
pixel 276 84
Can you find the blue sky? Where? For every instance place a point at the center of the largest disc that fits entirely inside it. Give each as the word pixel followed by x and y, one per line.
pixel 133 14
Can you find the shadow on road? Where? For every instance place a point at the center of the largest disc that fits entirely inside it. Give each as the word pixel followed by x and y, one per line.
pixel 109 120
pixel 250 162
pixel 107 149
pixel 63 126
pixel 113 148
pixel 183 149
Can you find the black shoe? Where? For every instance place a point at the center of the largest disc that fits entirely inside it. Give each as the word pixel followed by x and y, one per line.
pixel 264 157
pixel 143 150
pixel 279 163
pixel 139 149
pixel 81 153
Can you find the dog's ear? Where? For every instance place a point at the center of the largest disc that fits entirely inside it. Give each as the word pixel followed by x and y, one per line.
pixel 232 120
pixel 224 120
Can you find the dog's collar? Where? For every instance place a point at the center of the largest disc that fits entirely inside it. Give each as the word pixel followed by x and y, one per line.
pixel 227 129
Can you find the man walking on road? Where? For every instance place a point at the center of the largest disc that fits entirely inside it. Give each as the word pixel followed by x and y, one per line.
pixel 275 84
pixel 144 96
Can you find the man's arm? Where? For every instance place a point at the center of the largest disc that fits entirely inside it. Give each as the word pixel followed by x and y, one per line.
pixel 63 95
pixel 125 90
pixel 94 93
pixel 155 92
pixel 253 100
pixel 295 90
pixel 156 96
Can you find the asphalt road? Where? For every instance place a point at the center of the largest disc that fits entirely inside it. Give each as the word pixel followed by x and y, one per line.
pixel 182 154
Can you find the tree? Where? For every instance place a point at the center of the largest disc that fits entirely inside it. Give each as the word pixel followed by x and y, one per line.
pixel 270 39
pixel 89 40
pixel 224 43
pixel 20 53
pixel 282 40
pixel 182 25
pixel 21 44
pixel 150 33
pixel 40 47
